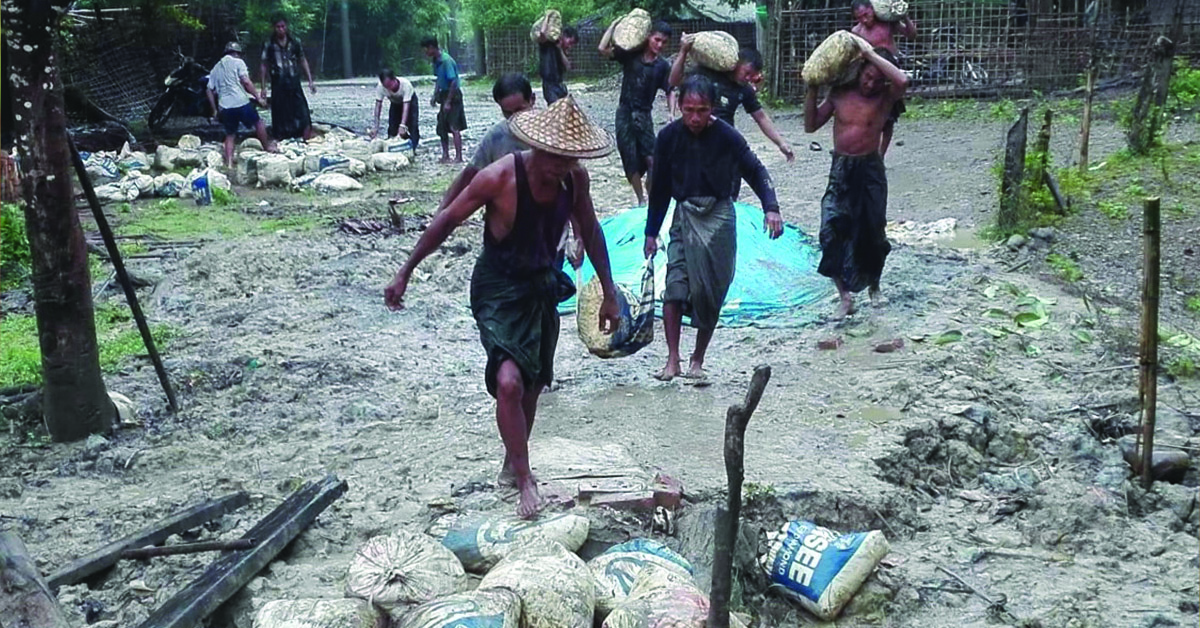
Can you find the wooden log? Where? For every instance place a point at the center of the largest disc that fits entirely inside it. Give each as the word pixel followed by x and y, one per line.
pixel 1148 390
pixel 1014 172
pixel 187 548
pixel 1048 179
pixel 108 555
pixel 726 531
pixel 25 600
pixel 229 573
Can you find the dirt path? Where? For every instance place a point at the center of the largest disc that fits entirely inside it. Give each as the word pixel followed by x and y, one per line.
pixel 290 366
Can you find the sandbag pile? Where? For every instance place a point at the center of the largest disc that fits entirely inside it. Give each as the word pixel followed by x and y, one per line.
pixel 833 61
pixel 298 163
pixel 555 585
pixel 319 614
pixel 403 568
pixel 481 543
pixel 617 569
pixel 661 597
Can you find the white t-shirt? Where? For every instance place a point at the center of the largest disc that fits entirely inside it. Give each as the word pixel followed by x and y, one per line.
pixel 226 80
pixel 403 93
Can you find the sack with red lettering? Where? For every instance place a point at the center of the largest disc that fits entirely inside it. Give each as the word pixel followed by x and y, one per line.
pixel 820 568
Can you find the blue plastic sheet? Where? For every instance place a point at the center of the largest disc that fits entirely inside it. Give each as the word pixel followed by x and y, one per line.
pixel 776 284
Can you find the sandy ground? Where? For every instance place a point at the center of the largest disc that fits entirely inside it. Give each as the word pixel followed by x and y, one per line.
pixel 979 455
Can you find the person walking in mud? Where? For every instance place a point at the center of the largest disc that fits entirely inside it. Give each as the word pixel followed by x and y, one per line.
pixel 701 163
pixel 733 90
pixel 645 72
pixel 229 92
pixel 515 288
pixel 448 98
pixel 403 108
pixel 854 244
pixel 282 59
pixel 553 62
pixel 882 34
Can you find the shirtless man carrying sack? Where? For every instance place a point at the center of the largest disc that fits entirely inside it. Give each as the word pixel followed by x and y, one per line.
pixel 854 208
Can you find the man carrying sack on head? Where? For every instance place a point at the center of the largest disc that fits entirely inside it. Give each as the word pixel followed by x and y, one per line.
pixel 516 286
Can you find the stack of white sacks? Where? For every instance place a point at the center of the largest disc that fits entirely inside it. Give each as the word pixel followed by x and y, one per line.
pixel 532 578
pixel 328 163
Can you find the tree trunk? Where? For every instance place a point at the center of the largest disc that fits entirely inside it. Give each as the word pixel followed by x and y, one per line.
pixel 75 401
pixel 1147 118
pixel 347 66
pixel 1014 172
pixel 1041 150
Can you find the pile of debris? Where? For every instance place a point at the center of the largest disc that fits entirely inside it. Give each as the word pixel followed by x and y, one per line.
pixel 331 162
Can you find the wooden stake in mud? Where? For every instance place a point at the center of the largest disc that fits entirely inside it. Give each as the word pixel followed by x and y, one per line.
pixel 114 255
pixel 1014 172
pixel 725 542
pixel 1085 127
pixel 1148 392
pixel 25 600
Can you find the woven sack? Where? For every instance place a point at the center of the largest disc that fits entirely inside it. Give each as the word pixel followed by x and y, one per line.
pixel 555 30
pixel 480 544
pixel 636 328
pixel 632 30
pixel 403 568
pixel 488 608
pixel 662 598
pixel 619 566
pixel 819 568
pixel 890 10
pixel 829 62
pixel 555 586
pixel 319 614
pixel 715 50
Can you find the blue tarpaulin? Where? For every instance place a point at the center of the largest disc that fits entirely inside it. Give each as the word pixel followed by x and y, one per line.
pixel 776 284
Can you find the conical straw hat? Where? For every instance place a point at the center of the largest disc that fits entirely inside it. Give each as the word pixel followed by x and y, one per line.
pixel 563 129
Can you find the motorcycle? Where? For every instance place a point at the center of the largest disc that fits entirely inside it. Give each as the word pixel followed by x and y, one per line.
pixel 184 95
pixel 948 64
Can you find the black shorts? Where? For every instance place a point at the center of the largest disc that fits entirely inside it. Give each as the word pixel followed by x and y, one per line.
pixel 453 119
pixel 230 118
pixel 635 139
pixel 553 91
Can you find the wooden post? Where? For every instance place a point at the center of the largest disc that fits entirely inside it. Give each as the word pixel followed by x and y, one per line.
pixel 1149 359
pixel 1085 127
pixel 1041 149
pixel 1147 116
pixel 1014 172
pixel 25 600
pixel 725 542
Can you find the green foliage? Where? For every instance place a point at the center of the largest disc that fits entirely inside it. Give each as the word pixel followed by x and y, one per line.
pixel 118 338
pixel 1182 367
pixel 222 197
pixel 1114 210
pixel 487 14
pixel 303 16
pixel 1184 91
pixel 1066 268
pixel 1003 110
pixel 1193 304
pixel 1074 184
pixel 14 247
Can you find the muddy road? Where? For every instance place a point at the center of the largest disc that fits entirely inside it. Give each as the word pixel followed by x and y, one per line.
pixel 974 446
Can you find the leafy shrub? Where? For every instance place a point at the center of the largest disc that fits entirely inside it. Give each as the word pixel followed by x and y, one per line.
pixel 14 247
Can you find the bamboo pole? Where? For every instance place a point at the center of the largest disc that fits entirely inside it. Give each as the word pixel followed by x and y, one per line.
pixel 114 255
pixel 1148 393
pixel 1085 128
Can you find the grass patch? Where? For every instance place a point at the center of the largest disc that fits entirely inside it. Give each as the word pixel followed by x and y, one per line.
pixel 1065 267
pixel 1113 209
pixel 173 220
pixel 116 333
pixel 1182 367
pixel 1193 304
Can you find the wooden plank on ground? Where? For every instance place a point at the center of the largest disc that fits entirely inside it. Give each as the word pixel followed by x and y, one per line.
pixel 108 555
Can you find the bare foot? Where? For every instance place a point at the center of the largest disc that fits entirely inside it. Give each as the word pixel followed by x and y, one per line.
pixel 529 502
pixel 669 372
pixel 877 299
pixel 506 478
pixel 846 308
pixel 696 371
pixel 445 160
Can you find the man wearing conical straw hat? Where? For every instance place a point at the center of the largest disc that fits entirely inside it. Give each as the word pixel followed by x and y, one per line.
pixel 516 285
